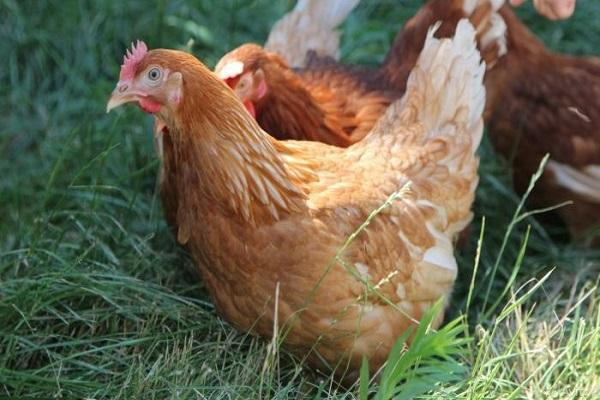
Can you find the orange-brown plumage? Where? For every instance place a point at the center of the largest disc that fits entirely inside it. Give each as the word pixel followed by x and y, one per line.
pixel 541 102
pixel 264 219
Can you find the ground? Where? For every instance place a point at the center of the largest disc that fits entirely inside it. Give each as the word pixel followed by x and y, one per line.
pixel 98 301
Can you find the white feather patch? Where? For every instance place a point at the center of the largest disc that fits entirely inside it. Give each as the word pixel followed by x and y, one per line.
pixel 442 253
pixel 231 70
pixel 585 181
pixel 441 257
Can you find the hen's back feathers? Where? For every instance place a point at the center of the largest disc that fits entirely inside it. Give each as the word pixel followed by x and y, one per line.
pixel 440 117
pixel 429 138
pixel 310 26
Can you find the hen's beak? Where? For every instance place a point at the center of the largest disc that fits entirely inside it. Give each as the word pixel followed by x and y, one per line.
pixel 121 95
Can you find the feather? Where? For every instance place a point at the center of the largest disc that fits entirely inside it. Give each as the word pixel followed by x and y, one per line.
pixel 582 181
pixel 336 104
pixel 310 26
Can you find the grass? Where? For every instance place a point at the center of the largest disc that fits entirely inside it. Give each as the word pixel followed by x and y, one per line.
pixel 97 300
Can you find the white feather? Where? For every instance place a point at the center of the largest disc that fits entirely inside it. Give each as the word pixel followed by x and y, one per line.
pixel 311 25
pixel 230 70
pixel 585 181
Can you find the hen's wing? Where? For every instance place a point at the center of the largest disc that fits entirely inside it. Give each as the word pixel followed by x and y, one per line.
pixel 551 107
pixel 429 139
pixel 552 103
pixel 310 26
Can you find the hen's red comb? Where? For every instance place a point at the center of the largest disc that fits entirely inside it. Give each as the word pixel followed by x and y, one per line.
pixel 131 60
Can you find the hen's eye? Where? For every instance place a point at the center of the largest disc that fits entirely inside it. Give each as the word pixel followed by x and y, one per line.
pixel 154 74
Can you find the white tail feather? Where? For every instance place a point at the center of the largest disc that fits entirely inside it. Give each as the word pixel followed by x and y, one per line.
pixel 311 25
pixel 496 32
pixel 329 14
pixel 444 92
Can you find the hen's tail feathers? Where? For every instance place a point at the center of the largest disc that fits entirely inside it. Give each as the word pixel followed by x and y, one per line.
pixel 490 27
pixel 445 97
pixel 311 25
pixel 448 83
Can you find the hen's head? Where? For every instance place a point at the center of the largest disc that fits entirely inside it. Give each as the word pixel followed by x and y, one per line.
pixel 244 69
pixel 157 79
pixel 148 78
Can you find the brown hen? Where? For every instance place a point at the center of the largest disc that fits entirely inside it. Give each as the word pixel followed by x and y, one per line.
pixel 265 220
pixel 541 102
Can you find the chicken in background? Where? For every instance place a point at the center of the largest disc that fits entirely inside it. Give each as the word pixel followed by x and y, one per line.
pixel 339 104
pixel 264 219
pixel 310 27
pixel 326 104
pixel 541 102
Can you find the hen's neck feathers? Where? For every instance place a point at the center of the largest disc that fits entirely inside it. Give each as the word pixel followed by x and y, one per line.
pixel 223 157
pixel 287 95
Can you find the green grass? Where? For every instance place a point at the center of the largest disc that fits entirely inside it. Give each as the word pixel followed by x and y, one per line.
pixel 97 300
